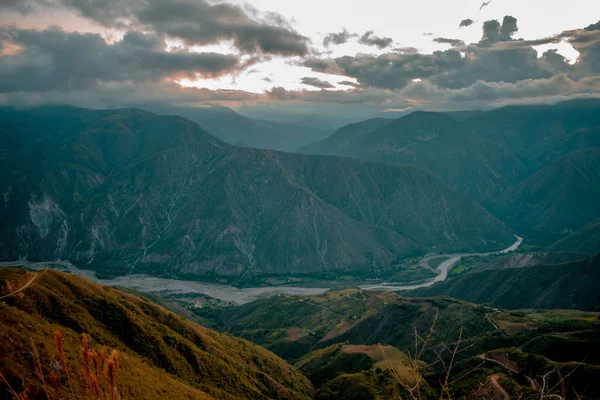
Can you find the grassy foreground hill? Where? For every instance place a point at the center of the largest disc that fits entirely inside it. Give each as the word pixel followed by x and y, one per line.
pixel 335 338
pixel 162 355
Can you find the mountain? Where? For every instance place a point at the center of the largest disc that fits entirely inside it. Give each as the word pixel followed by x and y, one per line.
pixel 470 163
pixel 571 285
pixel 343 137
pixel 585 240
pixel 231 127
pixel 483 154
pixel 161 354
pixel 122 191
pixel 559 198
pixel 538 134
pixel 523 260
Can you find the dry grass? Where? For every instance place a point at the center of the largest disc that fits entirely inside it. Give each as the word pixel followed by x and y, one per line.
pixel 99 372
pixel 553 385
pixel 386 357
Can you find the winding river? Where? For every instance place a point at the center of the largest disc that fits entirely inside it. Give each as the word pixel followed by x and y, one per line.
pixel 443 268
pixel 228 293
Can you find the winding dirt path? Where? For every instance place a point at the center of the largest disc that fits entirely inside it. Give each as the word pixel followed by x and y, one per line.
pixel 21 288
pixel 531 381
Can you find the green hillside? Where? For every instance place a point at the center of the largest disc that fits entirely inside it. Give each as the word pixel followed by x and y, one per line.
pixel 162 355
pixel 574 285
pixel 585 240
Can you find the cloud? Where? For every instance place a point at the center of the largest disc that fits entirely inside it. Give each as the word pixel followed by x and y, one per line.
pixel 396 70
pixel 369 39
pixel 53 66
pixel 593 27
pixel 349 83
pixel 316 82
pixel 324 66
pixel 466 23
pixel 55 59
pixel 195 22
pixel 451 42
pixel 409 50
pixel 497 57
pixel 130 94
pixel 338 38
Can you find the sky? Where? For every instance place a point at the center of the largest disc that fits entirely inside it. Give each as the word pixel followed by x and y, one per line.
pixel 333 55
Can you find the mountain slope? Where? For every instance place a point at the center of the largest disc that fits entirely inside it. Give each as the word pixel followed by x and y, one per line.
pixel 585 240
pixel 538 135
pixel 573 285
pixel 559 198
pixel 234 128
pixel 470 163
pixel 294 326
pixel 344 137
pixel 127 191
pixel 161 354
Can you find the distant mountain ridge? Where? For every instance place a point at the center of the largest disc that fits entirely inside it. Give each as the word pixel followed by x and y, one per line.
pixel 535 167
pixel 470 163
pixel 126 191
pixel 234 128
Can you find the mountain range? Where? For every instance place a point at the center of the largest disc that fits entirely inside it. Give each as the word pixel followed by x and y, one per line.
pixel 234 128
pixel 127 191
pixel 535 167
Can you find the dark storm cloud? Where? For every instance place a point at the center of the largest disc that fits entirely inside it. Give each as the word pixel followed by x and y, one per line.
pixel 316 82
pixel 326 66
pixel 55 59
pixel 465 23
pixel 451 42
pixel 369 39
pixel 494 32
pixel 396 70
pixel 338 38
pixel 498 57
pixel 593 27
pixel 196 22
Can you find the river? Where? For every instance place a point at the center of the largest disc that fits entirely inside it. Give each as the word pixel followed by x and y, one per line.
pixel 228 293
pixel 442 269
